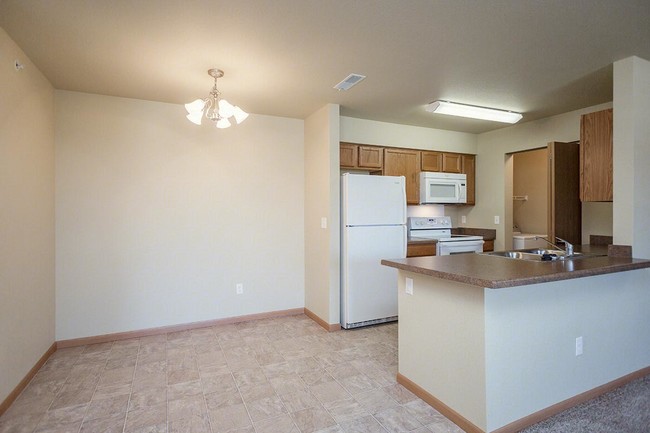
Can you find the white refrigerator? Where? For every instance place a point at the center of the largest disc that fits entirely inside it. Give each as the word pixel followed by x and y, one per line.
pixel 373 227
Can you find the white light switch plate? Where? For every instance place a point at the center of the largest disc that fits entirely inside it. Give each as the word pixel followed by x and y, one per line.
pixel 463 219
pixel 409 286
pixel 496 219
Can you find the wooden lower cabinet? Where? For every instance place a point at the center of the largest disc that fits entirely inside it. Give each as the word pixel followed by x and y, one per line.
pixel 488 245
pixel 404 162
pixel 421 249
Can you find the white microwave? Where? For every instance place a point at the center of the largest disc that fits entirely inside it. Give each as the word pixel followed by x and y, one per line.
pixel 441 188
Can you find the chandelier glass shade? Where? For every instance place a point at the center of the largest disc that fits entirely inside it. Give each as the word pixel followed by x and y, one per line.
pixel 214 107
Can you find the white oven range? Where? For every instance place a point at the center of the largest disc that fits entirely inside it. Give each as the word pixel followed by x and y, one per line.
pixel 439 228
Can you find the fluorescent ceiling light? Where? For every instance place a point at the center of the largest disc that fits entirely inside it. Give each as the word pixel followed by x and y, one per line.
pixel 349 81
pixel 454 109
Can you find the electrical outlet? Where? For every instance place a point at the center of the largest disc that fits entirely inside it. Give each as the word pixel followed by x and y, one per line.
pixel 579 346
pixel 239 287
pixel 496 219
pixel 323 222
pixel 463 219
pixel 409 286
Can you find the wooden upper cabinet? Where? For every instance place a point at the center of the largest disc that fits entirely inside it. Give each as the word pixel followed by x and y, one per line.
pixel 452 163
pixel 355 156
pixel 348 155
pixel 404 162
pixel 596 173
pixel 468 165
pixel 371 157
pixel 431 161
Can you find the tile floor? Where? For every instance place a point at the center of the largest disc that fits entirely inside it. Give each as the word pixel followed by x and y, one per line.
pixel 282 375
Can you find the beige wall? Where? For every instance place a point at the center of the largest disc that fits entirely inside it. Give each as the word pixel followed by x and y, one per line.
pixel 157 219
pixel 322 196
pixel 26 216
pixel 530 177
pixel 632 154
pixel 491 186
pixel 390 134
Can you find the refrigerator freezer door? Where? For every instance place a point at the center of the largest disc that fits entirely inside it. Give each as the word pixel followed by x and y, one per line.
pixel 373 200
pixel 369 288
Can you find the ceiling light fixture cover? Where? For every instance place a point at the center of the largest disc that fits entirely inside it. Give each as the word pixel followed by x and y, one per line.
pixel 474 112
pixel 349 81
pixel 214 107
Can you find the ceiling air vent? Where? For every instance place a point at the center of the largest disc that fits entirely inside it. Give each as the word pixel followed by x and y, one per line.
pixel 349 81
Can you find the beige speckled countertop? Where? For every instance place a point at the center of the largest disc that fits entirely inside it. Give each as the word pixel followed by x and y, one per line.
pixel 498 272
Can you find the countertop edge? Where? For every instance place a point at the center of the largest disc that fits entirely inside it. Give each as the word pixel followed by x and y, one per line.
pixel 505 283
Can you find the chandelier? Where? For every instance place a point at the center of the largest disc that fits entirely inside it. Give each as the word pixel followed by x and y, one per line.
pixel 214 107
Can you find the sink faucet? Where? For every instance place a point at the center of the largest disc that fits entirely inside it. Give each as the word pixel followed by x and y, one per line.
pixel 568 247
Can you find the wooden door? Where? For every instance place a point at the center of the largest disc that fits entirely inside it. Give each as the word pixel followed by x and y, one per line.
pixel 403 162
pixel 371 157
pixel 564 205
pixel 348 155
pixel 451 163
pixel 596 147
pixel 431 161
pixel 469 169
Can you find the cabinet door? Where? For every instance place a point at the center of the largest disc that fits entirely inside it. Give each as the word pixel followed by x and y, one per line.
pixel 371 157
pixel 451 162
pixel 564 206
pixel 469 169
pixel 596 174
pixel 431 161
pixel 348 155
pixel 403 162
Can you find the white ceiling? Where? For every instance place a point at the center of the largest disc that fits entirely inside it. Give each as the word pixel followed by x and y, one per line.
pixel 283 57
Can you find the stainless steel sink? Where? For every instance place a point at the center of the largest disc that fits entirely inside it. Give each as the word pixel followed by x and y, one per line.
pixel 534 254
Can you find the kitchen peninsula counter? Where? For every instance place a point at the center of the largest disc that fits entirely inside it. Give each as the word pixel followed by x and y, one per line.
pixel 498 272
pixel 552 335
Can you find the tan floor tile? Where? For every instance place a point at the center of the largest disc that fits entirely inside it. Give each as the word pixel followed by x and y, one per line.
pixel 59 428
pixel 358 384
pixel 249 376
pixel 72 398
pixel 397 419
pixel 316 377
pixel 148 397
pixel 375 401
pixel 227 418
pixel 194 424
pixel 188 407
pixel 299 400
pixel 264 408
pixel 345 410
pixel 256 391
pixel 219 383
pixel 25 423
pixel 424 413
pixel 217 400
pixel 112 391
pixel 184 389
pixel 149 417
pixel 112 424
pixel 280 424
pixel 400 394
pixel 106 407
pixel 329 391
pixel 312 419
pixel 117 376
pixel 366 424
